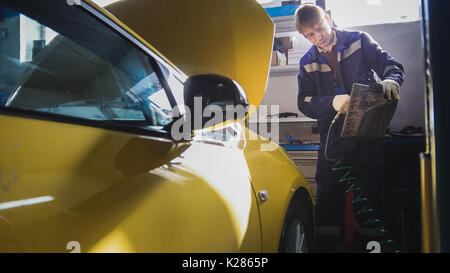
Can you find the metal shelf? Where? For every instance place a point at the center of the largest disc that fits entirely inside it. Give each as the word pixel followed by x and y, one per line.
pixel 283 70
pixel 282 120
pixel 284 23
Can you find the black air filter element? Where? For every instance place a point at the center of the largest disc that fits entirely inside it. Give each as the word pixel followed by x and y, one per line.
pixel 369 113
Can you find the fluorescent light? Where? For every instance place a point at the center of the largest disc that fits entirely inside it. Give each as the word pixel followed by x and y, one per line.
pixel 25 202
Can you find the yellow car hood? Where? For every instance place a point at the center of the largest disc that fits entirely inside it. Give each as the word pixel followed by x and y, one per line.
pixel 228 37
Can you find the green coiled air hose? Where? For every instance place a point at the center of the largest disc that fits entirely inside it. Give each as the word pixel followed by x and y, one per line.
pixel 365 216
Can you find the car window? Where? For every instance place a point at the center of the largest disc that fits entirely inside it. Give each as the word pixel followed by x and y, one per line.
pixel 56 58
pixel 176 86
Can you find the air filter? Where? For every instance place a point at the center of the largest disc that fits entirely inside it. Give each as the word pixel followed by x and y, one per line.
pixel 369 113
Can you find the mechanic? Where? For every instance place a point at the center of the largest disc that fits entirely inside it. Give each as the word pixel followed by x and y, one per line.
pixel 327 72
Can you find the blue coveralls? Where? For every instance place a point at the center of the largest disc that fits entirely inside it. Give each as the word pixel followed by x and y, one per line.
pixel 358 57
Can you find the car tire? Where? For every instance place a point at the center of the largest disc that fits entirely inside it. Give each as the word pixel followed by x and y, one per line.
pixel 297 233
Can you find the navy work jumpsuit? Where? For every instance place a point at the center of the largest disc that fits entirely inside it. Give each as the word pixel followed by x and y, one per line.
pixel 359 56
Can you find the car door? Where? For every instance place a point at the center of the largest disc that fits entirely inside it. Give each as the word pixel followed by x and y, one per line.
pixel 86 162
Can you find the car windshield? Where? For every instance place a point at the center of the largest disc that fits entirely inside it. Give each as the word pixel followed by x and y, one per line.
pixel 57 58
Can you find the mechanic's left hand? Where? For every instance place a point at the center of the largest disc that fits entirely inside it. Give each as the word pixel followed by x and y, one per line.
pixel 390 89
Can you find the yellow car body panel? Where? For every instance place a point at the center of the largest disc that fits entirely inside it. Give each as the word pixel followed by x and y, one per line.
pixel 225 37
pixel 100 194
pixel 273 171
pixel 245 58
pixel 113 191
pixel 118 192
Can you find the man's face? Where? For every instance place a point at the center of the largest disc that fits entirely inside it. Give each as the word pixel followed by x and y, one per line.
pixel 320 34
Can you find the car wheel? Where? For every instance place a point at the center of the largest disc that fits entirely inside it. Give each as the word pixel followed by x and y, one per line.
pixel 296 236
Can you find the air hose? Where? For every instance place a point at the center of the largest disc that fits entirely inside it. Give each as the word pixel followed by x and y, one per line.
pixel 365 216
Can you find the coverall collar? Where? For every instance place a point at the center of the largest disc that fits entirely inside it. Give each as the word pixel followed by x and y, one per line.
pixel 341 42
pixel 333 43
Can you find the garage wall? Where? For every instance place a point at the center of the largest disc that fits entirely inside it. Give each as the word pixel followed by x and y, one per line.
pixel 404 42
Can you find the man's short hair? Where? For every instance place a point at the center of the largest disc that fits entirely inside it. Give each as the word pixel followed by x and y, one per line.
pixel 308 15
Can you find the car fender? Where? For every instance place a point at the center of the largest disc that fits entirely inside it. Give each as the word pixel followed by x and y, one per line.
pixel 272 170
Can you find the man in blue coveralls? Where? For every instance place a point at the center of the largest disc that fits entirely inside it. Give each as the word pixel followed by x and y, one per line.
pixel 328 70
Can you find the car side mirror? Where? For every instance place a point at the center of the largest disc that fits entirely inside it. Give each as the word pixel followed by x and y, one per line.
pixel 208 93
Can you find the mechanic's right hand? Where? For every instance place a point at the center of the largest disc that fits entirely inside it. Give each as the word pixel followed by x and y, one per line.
pixel 340 103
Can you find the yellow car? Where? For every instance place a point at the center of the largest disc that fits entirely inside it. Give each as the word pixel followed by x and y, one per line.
pixel 97 154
